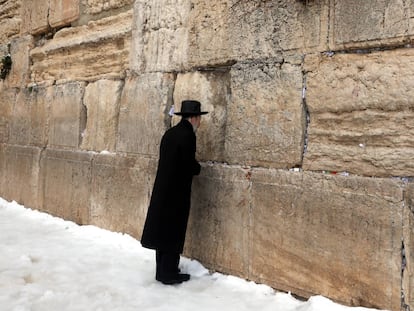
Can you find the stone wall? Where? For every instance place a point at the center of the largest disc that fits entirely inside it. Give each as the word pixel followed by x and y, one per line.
pixel 307 181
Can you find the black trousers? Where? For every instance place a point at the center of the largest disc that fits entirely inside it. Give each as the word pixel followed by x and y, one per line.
pixel 167 264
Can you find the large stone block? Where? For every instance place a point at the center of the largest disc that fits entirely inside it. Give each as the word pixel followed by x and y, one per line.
pixel 212 89
pixel 66 178
pixel 20 71
pixel 160 35
pixel 10 20
pixel 218 229
pixel 94 51
pixel 7 101
pixel 331 235
pixel 143 117
pixel 121 188
pixel 102 101
pixel 29 117
pixel 20 174
pixel 265 117
pixel 408 260
pixel 63 12
pixel 368 24
pixel 34 14
pixel 361 113
pixel 67 115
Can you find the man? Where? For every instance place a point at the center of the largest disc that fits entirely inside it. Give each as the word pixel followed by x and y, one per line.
pixel 166 222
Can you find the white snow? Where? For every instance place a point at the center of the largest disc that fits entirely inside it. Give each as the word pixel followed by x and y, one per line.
pixel 48 264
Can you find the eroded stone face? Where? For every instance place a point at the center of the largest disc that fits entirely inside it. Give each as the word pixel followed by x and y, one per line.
pixel 99 6
pixel 10 20
pixel 265 122
pixel 361 112
pixel 63 12
pixel 408 265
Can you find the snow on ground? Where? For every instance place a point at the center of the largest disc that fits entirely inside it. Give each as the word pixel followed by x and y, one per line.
pixel 48 264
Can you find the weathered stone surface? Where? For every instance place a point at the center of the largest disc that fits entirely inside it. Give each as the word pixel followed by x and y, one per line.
pixel 7 100
pixel 218 232
pixel 121 188
pixel 408 272
pixel 19 174
pixel 266 118
pixel 143 117
pixel 102 101
pixel 98 6
pixel 20 71
pixel 63 12
pixel 66 184
pixel 34 14
pixel 212 89
pixel 367 24
pixel 361 113
pixel 330 235
pixel 160 35
pixel 9 19
pixel 90 52
pixel 29 117
pixel 67 115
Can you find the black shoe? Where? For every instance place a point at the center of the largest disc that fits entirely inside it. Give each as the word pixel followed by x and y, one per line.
pixel 175 279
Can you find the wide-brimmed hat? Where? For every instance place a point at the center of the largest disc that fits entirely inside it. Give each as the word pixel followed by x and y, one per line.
pixel 190 108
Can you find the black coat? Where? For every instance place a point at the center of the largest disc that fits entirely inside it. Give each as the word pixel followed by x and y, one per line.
pixel 167 216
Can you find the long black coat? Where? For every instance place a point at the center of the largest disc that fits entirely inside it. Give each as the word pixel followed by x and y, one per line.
pixel 167 216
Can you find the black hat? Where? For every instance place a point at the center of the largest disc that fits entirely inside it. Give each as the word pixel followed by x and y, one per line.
pixel 190 108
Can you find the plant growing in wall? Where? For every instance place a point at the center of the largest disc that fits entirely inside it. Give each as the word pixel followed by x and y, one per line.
pixel 6 63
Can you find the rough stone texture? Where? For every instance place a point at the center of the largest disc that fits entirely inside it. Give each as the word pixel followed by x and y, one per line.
pixel 219 219
pixel 121 189
pixel 20 71
pixel 67 115
pixel 408 273
pixel 20 174
pixel 90 52
pixel 361 113
pixel 34 14
pixel 10 20
pixel 29 117
pixel 266 103
pixel 7 100
pixel 332 235
pixel 102 101
pixel 143 117
pixel 365 24
pixel 98 6
pixel 212 89
pixel 63 12
pixel 66 184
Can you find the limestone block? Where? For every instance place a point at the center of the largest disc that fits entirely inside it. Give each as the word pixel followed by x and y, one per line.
pixel 367 24
pixel 408 265
pixel 265 121
pixel 212 89
pixel 160 35
pixel 20 71
pixel 67 115
pixel 20 174
pixel 94 51
pixel 29 118
pixel 330 235
pixel 102 101
pixel 34 14
pixel 10 20
pixel 143 117
pixel 99 6
pixel 361 113
pixel 63 12
pixel 218 233
pixel 120 192
pixel 7 100
pixel 66 184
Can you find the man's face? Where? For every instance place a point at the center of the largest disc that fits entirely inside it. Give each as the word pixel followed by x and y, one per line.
pixel 195 121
